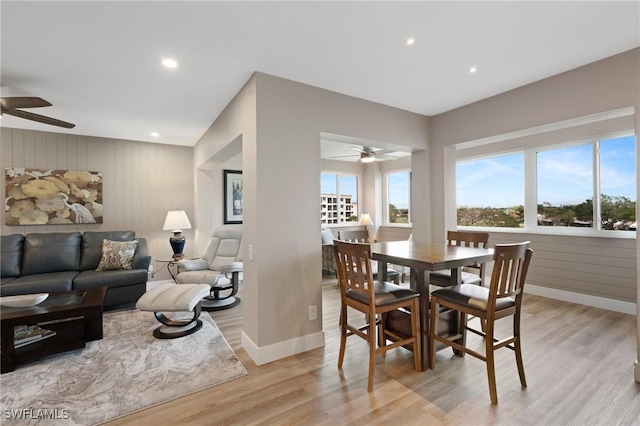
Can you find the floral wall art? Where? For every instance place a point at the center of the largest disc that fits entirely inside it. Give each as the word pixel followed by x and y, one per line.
pixel 52 197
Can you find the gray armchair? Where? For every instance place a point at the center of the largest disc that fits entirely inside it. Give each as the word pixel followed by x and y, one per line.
pixel 220 267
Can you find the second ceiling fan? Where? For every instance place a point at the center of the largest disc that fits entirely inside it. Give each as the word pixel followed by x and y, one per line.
pixel 368 154
pixel 14 105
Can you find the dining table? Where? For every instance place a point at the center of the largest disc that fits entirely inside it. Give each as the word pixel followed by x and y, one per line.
pixel 423 258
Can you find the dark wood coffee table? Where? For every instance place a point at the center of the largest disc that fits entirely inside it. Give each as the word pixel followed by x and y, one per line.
pixel 75 316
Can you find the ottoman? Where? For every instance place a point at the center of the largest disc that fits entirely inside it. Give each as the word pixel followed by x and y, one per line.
pixel 169 297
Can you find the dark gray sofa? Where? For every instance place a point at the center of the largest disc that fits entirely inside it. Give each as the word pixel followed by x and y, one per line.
pixel 63 261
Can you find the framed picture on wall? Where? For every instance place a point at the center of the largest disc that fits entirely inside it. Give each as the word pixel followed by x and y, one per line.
pixel 52 197
pixel 232 196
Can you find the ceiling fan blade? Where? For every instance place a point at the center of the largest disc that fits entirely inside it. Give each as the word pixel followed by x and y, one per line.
pixel 37 117
pixel 24 102
pixel 345 156
pixel 386 157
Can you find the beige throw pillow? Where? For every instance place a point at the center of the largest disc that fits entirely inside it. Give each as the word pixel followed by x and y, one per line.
pixel 117 255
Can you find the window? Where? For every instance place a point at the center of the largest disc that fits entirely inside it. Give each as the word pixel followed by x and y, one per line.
pixel 398 200
pixel 490 191
pixel 338 198
pixel 585 185
pixel 618 183
pixel 565 186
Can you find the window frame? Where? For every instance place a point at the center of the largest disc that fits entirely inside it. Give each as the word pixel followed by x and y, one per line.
pixel 338 195
pixel 385 199
pixel 531 195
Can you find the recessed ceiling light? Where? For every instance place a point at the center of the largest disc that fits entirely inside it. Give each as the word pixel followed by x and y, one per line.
pixel 410 41
pixel 154 134
pixel 170 63
pixel 473 70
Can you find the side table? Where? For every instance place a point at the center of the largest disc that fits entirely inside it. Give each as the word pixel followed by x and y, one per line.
pixel 172 265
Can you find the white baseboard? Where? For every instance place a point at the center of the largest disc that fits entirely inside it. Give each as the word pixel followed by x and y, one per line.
pixel 276 351
pixel 582 299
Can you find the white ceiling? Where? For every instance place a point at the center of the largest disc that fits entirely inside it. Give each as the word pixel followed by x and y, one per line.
pixel 99 62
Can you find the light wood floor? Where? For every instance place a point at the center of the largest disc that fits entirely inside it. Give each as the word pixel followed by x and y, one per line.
pixel 578 362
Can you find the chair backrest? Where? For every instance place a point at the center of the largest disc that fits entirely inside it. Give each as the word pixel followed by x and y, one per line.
pixel 359 236
pixel 468 238
pixel 224 247
pixel 354 267
pixel 511 263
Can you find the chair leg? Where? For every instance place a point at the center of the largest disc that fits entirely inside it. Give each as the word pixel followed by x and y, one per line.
pixel 343 334
pixel 433 326
pixel 382 337
pixel 491 368
pixel 518 349
pixel 415 330
pixel 372 353
pixel 462 320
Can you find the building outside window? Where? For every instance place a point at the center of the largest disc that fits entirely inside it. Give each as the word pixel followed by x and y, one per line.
pixel 398 197
pixel 338 198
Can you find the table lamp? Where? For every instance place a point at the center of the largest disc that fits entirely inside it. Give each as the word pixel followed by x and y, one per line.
pixel 176 221
pixel 365 220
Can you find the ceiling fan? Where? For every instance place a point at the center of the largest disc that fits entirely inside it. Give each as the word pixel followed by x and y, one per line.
pixel 10 106
pixel 369 155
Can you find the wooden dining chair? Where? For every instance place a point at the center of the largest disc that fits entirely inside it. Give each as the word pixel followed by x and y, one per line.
pixel 362 236
pixel 359 291
pixel 502 298
pixel 465 239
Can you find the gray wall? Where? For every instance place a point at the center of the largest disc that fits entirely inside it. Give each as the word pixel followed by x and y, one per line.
pixel 577 264
pixel 142 181
pixel 606 85
pixel 279 122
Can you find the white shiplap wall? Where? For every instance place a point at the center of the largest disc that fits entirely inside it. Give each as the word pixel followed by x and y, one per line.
pixel 142 181
pixel 593 266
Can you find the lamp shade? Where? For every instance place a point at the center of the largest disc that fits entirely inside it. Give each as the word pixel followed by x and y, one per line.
pixel 176 220
pixel 365 219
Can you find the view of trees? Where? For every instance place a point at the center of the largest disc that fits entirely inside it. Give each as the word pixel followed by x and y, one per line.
pixel 618 213
pixel 511 217
pixel 397 215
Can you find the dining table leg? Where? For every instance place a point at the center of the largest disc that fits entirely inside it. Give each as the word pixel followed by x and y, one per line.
pixel 417 282
pixel 422 287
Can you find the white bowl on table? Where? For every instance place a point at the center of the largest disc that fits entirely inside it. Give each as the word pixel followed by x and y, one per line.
pixel 23 300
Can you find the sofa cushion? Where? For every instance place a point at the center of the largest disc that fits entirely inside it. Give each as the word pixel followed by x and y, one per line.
pixel 39 283
pixel 92 246
pixel 90 279
pixel 4 280
pixel 117 255
pixel 11 255
pixel 51 252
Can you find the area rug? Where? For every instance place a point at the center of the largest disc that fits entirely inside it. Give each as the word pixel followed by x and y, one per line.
pixel 127 371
